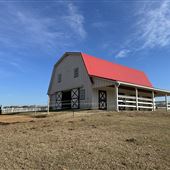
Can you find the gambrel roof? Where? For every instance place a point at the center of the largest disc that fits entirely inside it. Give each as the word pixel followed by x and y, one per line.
pixel 100 68
pixel 112 71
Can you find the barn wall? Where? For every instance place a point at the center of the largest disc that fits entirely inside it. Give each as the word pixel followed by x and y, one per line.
pixel 99 82
pixel 111 100
pixel 110 97
pixel 52 101
pixel 66 68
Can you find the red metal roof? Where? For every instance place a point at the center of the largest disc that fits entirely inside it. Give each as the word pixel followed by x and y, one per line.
pixel 105 69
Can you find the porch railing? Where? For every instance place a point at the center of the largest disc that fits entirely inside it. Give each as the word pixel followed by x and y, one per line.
pixel 168 108
pixel 135 102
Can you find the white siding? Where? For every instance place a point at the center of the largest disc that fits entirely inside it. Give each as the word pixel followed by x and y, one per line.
pixel 66 68
pixel 110 97
pixel 99 82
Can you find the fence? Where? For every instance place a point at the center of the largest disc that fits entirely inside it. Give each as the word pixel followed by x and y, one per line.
pixel 168 106
pixel 24 109
pixel 124 103
pixel 163 105
pixel 135 102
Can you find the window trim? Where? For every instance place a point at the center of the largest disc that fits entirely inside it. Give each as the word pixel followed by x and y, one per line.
pixel 82 94
pixel 59 78
pixel 76 72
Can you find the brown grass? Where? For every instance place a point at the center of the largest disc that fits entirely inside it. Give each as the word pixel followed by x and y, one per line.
pixel 14 118
pixel 89 140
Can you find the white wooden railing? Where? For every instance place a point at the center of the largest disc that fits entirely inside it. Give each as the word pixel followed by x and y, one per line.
pixel 145 103
pixel 168 107
pixel 18 110
pixel 126 101
pixel 135 102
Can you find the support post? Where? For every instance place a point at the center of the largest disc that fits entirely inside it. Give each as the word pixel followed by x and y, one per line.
pixel 35 109
pixel 153 100
pixel 166 101
pixel 137 99
pixel 48 107
pixel 116 96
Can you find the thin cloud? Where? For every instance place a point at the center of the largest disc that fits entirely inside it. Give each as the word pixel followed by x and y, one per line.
pixel 24 27
pixel 17 66
pixel 39 29
pixel 75 20
pixel 154 26
pixel 152 29
pixel 101 24
pixel 123 53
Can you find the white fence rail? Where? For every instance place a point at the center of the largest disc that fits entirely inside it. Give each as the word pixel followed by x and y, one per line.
pixel 168 108
pixel 124 103
pixel 163 105
pixel 136 103
pixel 20 109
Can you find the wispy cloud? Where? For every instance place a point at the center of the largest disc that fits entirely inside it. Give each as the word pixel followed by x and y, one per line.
pixel 24 32
pixel 101 24
pixel 38 30
pixel 152 29
pixel 25 27
pixel 76 20
pixel 16 65
pixel 123 53
pixel 154 25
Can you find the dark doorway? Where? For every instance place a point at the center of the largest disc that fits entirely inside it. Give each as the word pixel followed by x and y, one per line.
pixel 102 100
pixel 66 100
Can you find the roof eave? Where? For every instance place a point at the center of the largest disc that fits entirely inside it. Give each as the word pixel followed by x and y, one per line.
pixel 146 87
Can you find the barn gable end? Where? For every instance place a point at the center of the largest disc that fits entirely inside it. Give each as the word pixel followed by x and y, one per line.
pixel 65 68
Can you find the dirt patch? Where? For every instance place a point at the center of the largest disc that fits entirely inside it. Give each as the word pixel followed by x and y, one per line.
pixel 93 126
pixel 131 140
pixel 40 115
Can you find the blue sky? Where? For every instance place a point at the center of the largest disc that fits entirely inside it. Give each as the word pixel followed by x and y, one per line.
pixel 34 34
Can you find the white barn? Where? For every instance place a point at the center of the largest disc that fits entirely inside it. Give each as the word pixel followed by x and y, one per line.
pixel 81 81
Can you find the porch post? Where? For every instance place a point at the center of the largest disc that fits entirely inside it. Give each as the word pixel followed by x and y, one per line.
pixel 153 100
pixel 137 99
pixel 116 98
pixel 166 101
pixel 48 107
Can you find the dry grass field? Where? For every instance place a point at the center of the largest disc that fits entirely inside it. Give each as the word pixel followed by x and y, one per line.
pixel 89 140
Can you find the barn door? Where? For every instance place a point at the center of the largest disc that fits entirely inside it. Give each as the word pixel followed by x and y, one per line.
pixel 102 100
pixel 75 98
pixel 58 100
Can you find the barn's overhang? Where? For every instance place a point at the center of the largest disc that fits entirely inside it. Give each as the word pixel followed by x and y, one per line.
pixel 158 92
pixel 102 82
pixel 131 95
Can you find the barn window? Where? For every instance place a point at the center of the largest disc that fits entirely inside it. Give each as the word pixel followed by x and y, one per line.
pixel 82 94
pixel 59 78
pixel 76 72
